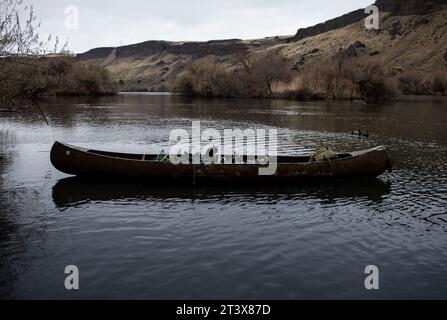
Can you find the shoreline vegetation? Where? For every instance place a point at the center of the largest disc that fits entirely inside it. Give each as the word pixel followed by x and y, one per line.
pixel 31 77
pixel 337 78
pixel 345 76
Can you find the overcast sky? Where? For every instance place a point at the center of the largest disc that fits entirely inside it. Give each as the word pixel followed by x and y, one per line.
pixel 114 23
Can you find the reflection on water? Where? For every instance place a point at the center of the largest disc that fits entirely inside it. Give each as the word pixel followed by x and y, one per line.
pixel 309 240
pixel 74 191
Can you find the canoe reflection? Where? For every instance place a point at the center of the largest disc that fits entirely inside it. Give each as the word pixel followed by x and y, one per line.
pixel 74 191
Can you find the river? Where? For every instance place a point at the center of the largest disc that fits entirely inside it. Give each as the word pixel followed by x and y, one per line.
pixel 293 241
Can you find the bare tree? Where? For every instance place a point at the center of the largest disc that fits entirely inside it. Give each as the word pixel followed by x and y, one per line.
pixel 20 46
pixel 266 68
pixel 18 37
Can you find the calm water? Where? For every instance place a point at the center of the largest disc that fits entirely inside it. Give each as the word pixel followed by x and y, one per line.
pixel 289 241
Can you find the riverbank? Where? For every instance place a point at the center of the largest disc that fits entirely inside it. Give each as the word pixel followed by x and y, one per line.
pixel 342 77
pixel 30 77
pixel 396 98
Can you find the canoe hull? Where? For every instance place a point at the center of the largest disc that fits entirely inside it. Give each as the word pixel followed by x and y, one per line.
pixel 85 163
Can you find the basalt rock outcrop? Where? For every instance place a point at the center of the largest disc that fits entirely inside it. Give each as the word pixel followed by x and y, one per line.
pixel 395 7
pixel 195 49
pixel 337 23
pixel 409 7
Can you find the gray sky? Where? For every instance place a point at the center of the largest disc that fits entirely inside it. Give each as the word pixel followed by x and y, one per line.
pixel 113 23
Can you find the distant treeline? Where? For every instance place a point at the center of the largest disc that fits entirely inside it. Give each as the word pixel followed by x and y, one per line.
pixel 343 76
pixel 28 77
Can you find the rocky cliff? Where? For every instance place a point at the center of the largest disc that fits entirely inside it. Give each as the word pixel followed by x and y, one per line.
pixel 329 25
pixel 410 7
pixel 395 7
pixel 195 49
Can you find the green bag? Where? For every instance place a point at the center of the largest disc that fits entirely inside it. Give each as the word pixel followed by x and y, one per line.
pixel 162 156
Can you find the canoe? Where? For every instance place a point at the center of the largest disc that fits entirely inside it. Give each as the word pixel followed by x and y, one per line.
pixel 84 162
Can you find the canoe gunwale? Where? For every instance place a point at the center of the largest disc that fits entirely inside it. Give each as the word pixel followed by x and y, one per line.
pixel 142 157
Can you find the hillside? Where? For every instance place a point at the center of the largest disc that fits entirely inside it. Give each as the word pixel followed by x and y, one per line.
pixel 152 65
pixel 410 46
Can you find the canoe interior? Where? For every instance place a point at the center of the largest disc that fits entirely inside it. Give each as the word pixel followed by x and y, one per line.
pixel 153 157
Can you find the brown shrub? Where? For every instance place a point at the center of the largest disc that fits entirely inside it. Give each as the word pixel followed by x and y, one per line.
pixel 344 78
pixel 413 83
pixel 439 83
pixel 183 83
pixel 410 83
pixel 249 77
pixel 339 77
pixel 23 77
pixel 199 79
pixel 265 69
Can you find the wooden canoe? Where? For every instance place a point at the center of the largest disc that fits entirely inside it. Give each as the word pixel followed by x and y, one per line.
pixel 102 164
